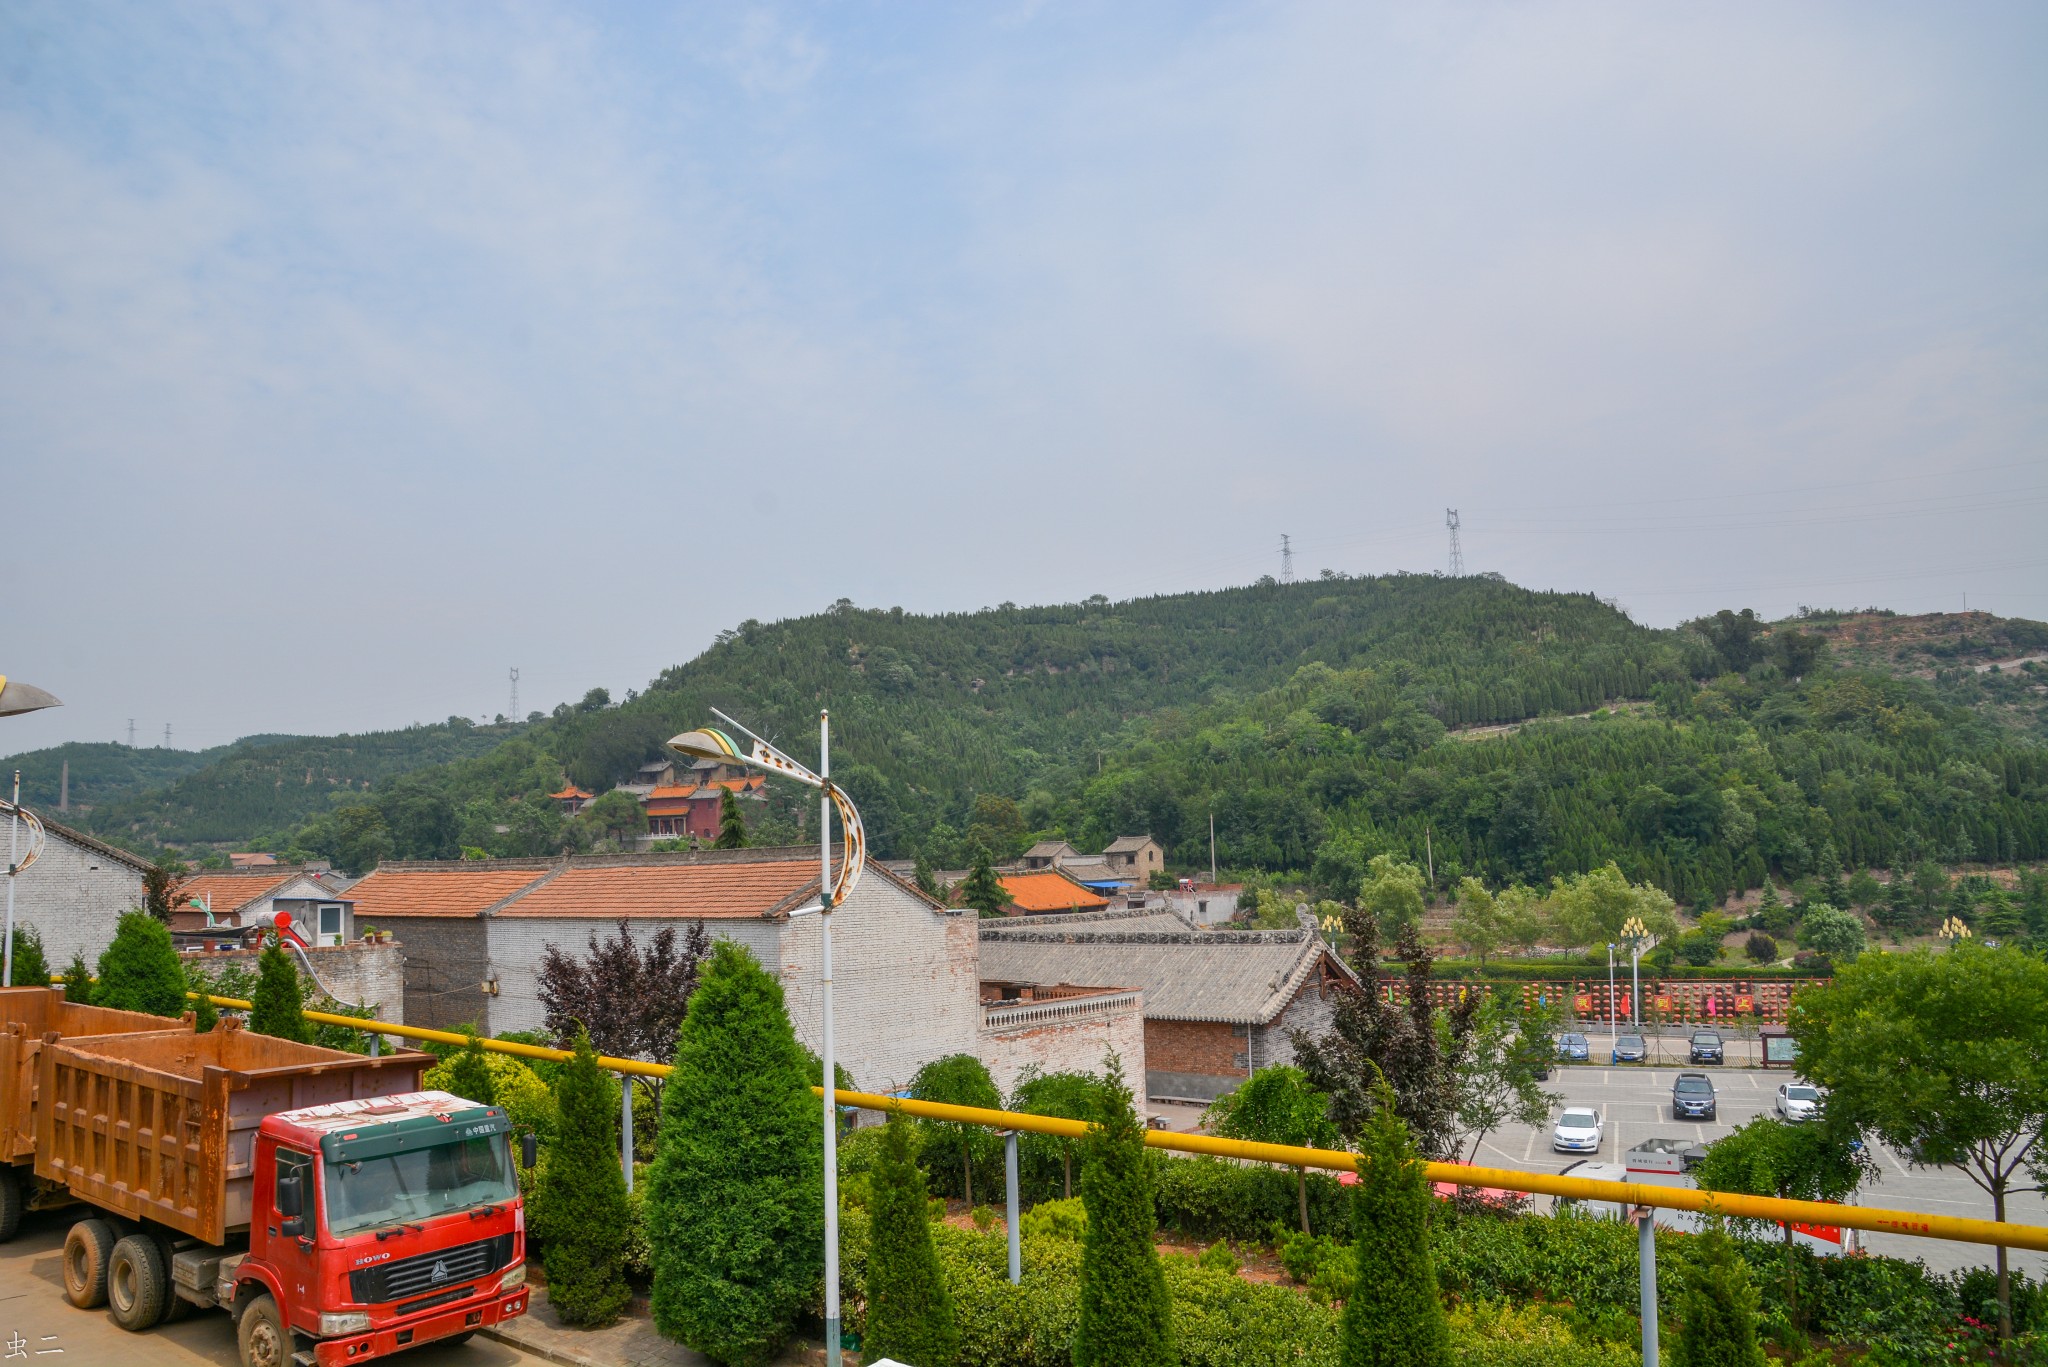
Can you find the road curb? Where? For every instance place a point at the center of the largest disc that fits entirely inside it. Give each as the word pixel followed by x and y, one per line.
pixel 526 1343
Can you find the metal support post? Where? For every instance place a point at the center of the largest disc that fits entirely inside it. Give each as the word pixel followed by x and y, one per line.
pixel 626 1127
pixel 376 1045
pixel 1010 1195
pixel 13 854
pixel 1646 1261
pixel 830 1059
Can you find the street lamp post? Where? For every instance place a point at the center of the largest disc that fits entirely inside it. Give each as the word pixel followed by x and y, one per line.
pixel 17 697
pixel 707 743
pixel 1635 932
pixel 1954 931
pixel 1613 1022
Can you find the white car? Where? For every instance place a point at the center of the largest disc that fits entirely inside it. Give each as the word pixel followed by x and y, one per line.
pixel 1798 1101
pixel 1578 1131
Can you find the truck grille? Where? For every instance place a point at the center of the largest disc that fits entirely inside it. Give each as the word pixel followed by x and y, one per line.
pixel 429 1272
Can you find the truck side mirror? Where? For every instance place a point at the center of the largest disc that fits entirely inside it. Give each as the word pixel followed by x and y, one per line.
pixel 529 1150
pixel 291 1197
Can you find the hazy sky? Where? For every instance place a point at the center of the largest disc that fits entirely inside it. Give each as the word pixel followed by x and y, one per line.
pixel 351 354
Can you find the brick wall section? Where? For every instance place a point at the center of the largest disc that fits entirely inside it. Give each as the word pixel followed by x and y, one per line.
pixel 1309 1012
pixel 445 963
pixel 73 894
pixel 905 990
pixel 1073 1046
pixel 356 973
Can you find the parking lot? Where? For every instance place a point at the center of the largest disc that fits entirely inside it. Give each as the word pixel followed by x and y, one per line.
pixel 1635 1102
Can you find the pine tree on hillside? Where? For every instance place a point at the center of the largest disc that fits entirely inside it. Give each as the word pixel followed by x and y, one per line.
pixel 585 1198
pixel 1125 1314
pixel 735 1204
pixel 139 970
pixel 1394 1317
pixel 732 826
pixel 910 1315
pixel 983 891
pixel 1717 1307
pixel 278 1003
pixel 469 1076
pixel 78 979
pixel 31 969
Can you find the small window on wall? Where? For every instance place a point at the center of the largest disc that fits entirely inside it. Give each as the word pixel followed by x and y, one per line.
pixel 330 924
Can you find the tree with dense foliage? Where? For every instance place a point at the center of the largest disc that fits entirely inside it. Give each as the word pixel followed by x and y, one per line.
pixel 78 979
pixel 1837 934
pixel 1772 916
pixel 1125 1313
pixel 277 1006
pixel 910 1315
pixel 1816 1161
pixel 1943 1056
pixel 1591 908
pixel 1392 892
pixel 1760 948
pixel 1393 1317
pixel 983 891
pixel 1717 1307
pixel 31 969
pixel 160 888
pixel 630 994
pixel 732 824
pixel 1278 1105
pixel 584 1197
pixel 1412 1046
pixel 139 970
pixel 469 1072
pixel 736 1204
pixel 1500 1063
pixel 616 815
pixel 1070 1096
pixel 958 1080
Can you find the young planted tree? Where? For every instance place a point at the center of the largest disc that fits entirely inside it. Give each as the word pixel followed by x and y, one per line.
pixel 1499 1066
pixel 630 995
pixel 160 889
pixel 469 1076
pixel 1391 892
pixel 277 1006
pixel 958 1080
pixel 983 891
pixel 1125 1314
pixel 732 825
pixel 1944 1057
pixel 736 1206
pixel 1818 1161
pixel 585 1198
pixel 1070 1096
pixel 1278 1105
pixel 78 979
pixel 205 1015
pixel 1393 1317
pixel 1716 1307
pixel 139 970
pixel 910 1316
pixel 31 969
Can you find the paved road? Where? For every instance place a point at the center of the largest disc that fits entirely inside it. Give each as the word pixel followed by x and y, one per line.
pixel 1636 1104
pixel 35 1320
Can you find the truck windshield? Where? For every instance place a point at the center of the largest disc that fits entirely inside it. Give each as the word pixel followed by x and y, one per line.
pixel 417 1184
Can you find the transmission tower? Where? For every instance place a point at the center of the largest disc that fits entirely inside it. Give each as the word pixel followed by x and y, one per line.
pixel 131 733
pixel 1286 559
pixel 1457 555
pixel 514 713
pixel 167 735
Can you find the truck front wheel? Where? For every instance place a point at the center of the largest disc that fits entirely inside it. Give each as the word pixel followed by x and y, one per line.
pixel 88 1248
pixel 138 1279
pixel 264 1340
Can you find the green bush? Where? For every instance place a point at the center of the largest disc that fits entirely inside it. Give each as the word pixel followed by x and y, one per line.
pixel 528 1102
pixel 205 1015
pixel 1209 1198
pixel 1717 1307
pixel 909 1312
pixel 1066 1219
pixel 951 1154
pixel 468 1074
pixel 1490 1335
pixel 1126 1317
pixel 736 1201
pixel 586 1204
pixel 1394 1317
pixel 276 1008
pixel 31 969
pixel 139 970
pixel 78 979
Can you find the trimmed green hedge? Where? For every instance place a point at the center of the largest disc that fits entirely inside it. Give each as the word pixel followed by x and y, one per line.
pixel 1212 1198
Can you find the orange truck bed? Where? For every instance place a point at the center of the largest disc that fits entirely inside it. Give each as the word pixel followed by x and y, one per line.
pixel 163 1126
pixel 27 1016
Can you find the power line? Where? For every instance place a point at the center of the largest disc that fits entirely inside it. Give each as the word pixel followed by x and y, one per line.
pixel 1457 553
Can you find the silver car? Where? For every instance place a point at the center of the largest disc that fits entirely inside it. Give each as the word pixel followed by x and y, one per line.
pixel 1798 1101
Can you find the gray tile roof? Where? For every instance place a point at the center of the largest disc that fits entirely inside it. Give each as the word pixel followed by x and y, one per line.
pixel 1127 844
pixel 1242 977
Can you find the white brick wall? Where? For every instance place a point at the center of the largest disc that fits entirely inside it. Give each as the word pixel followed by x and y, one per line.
pixel 1063 1038
pixel 373 975
pixel 905 984
pixel 73 894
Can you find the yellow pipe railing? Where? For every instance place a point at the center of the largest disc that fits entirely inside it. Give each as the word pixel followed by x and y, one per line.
pixel 1914 1223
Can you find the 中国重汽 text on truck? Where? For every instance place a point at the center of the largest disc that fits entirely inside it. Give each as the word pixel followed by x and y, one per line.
pixel 338 1212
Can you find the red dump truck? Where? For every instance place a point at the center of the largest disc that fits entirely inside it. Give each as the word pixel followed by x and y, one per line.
pixel 339 1213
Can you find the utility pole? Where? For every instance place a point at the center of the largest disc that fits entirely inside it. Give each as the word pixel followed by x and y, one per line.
pixel 64 788
pixel 1457 553
pixel 1286 559
pixel 1212 849
pixel 514 713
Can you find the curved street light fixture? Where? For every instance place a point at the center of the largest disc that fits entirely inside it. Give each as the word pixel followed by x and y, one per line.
pixel 1635 932
pixel 713 744
pixel 16 696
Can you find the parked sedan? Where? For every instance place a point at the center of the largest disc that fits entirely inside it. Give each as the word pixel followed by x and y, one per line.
pixel 1798 1101
pixel 1693 1098
pixel 1706 1048
pixel 1630 1049
pixel 1573 1048
pixel 1578 1131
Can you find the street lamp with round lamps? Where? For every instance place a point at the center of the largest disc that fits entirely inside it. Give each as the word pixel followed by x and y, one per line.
pixel 1954 931
pixel 710 743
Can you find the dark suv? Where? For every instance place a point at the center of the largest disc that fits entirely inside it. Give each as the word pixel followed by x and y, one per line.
pixel 1693 1098
pixel 1706 1048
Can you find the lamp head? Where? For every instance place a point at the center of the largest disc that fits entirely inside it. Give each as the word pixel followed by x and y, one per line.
pixel 16 696
pixel 706 743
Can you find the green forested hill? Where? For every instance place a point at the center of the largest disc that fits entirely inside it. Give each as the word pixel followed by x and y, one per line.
pixel 102 772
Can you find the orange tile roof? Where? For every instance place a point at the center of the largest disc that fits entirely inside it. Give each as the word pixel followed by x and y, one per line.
pixel 1050 890
pixel 670 790
pixel 571 791
pixel 725 889
pixel 453 891
pixel 224 893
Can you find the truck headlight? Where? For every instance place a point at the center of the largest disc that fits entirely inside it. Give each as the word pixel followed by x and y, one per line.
pixel 333 1324
pixel 514 1276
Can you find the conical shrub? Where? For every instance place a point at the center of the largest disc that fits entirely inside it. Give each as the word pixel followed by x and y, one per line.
pixel 139 970
pixel 1393 1317
pixel 1716 1307
pixel 910 1316
pixel 584 1195
pixel 278 1003
pixel 1125 1314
